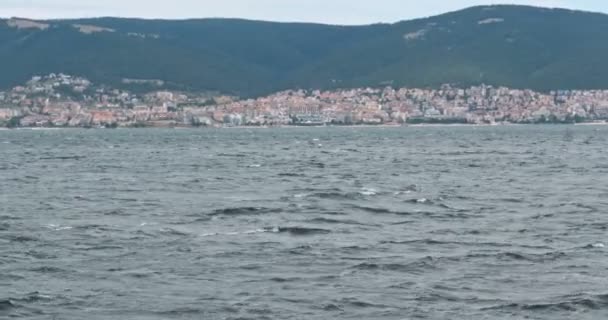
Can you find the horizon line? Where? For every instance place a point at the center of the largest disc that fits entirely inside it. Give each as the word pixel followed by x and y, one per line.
pixel 93 17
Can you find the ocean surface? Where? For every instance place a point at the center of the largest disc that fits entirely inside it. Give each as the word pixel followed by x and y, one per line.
pixel 305 223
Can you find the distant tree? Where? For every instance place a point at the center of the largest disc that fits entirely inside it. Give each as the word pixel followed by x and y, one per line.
pixel 208 102
pixel 14 122
pixel 139 124
pixel 348 119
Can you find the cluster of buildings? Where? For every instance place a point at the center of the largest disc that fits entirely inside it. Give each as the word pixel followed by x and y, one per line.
pixel 62 100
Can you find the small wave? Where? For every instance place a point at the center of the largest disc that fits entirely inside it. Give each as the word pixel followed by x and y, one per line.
pixel 301 231
pixel 375 266
pixel 173 232
pixel 40 255
pixel 101 248
pixel 96 227
pixel 354 248
pixel 181 313
pixel 361 304
pixel 63 158
pixel 289 174
pixel 46 269
pixel 465 243
pixel 5 217
pixel 296 231
pixel 212 234
pixel 435 203
pixel 300 250
pixel 368 192
pixel 6 304
pixel 115 212
pixel 56 227
pixel 421 201
pixel 532 257
pixel 571 304
pixel 316 164
pixel 283 280
pixel 334 221
pixel 331 307
pixel 511 200
pixel 516 256
pixel 83 198
pixel 336 195
pixel 374 209
pixel 125 199
pixel 32 298
pixel 421 241
pixel 139 274
pixel 228 155
pixel 407 190
pixel 243 211
pixel 423 264
pixel 14 238
pixel 435 297
pixel 590 209
pixel 598 245
pixel 400 223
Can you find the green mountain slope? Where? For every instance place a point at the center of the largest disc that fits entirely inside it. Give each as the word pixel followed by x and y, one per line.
pixel 516 46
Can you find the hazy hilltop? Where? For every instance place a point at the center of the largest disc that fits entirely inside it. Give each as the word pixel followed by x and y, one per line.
pixel 515 46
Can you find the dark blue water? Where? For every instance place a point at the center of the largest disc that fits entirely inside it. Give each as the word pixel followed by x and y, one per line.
pixel 311 223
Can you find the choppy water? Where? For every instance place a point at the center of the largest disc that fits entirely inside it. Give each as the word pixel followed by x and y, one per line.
pixel 326 223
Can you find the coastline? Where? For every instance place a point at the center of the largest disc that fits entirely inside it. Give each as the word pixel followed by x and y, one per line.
pixel 604 123
pixel 363 126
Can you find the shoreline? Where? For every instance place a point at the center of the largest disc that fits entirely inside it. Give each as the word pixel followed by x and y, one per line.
pixel 420 125
pixel 591 124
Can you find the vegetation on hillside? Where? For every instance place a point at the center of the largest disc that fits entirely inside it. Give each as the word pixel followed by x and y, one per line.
pixel 515 46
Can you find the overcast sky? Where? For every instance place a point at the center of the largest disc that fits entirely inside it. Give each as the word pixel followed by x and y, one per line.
pixel 325 11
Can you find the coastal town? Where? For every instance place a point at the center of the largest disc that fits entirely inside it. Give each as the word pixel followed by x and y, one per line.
pixel 59 100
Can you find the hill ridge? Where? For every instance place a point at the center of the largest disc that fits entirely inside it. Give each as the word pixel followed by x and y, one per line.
pixel 474 7
pixel 515 46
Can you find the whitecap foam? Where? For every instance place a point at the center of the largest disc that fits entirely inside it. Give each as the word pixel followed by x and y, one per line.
pixel 368 192
pixel 204 235
pixel 56 227
pixel 237 233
